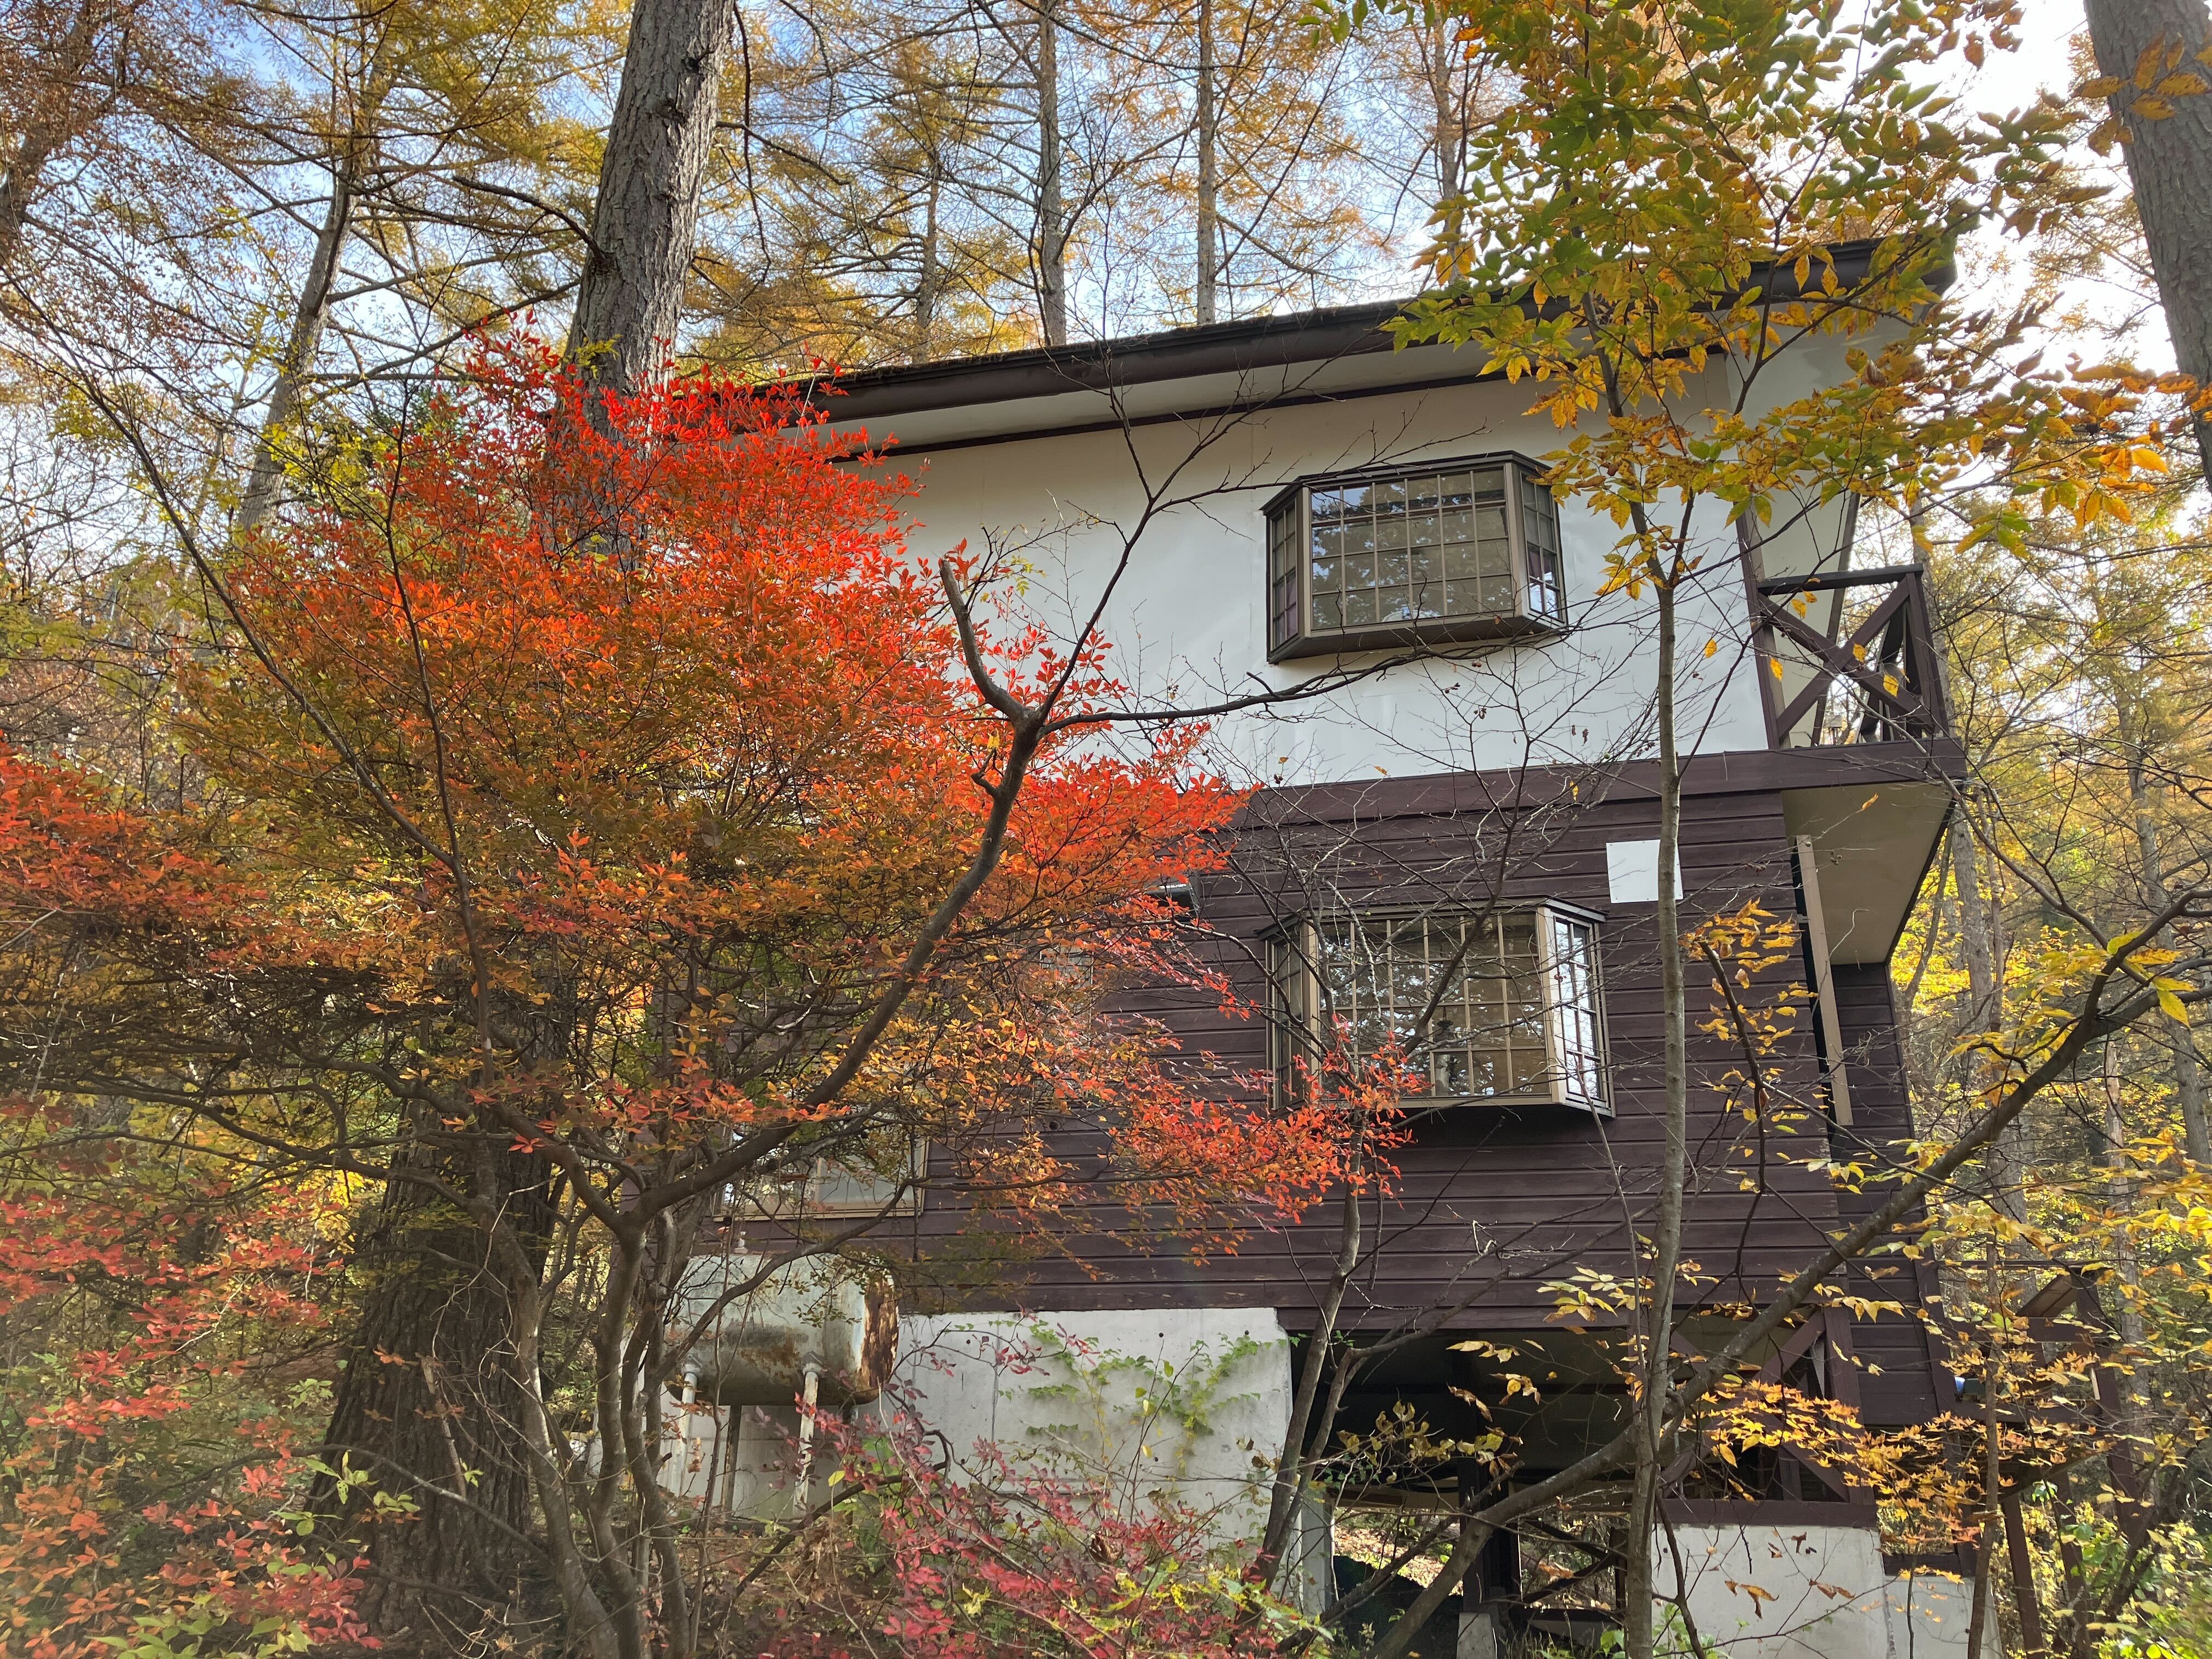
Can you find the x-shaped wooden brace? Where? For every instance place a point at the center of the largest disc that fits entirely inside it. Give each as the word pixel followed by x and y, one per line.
pixel 1847 659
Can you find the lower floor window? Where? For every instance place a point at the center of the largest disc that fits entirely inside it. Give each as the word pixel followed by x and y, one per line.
pixel 1493 1006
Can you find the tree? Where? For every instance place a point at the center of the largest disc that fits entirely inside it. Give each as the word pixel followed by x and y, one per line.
pixel 2073 1290
pixel 2154 63
pixel 645 219
pixel 147 1497
pixel 1648 225
pixel 691 868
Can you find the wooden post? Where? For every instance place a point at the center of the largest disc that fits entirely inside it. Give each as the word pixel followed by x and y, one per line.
pixel 1824 981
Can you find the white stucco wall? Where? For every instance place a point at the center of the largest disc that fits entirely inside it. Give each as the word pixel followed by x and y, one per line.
pixel 1186 618
pixel 1189 1403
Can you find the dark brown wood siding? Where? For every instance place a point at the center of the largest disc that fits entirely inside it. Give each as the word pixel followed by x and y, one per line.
pixel 1493 1208
pixel 1905 1379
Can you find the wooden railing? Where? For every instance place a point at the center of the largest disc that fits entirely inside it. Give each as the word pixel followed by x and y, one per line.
pixel 1869 675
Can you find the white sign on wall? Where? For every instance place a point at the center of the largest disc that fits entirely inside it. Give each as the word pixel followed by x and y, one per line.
pixel 1632 872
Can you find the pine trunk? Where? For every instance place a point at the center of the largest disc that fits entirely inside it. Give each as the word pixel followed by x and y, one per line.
pixel 926 285
pixel 46 118
pixel 1052 209
pixel 428 1408
pixel 1451 130
pixel 645 221
pixel 1209 183
pixel 2169 165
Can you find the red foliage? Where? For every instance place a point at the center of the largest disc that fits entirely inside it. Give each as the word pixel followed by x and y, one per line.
pixel 663 695
pixel 142 1492
pixel 594 773
pixel 1013 1560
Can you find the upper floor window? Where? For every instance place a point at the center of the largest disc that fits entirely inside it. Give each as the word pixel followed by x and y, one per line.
pixel 1497 1005
pixel 1458 551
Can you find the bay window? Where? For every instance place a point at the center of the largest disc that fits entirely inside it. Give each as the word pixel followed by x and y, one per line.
pixel 1499 1006
pixel 1450 550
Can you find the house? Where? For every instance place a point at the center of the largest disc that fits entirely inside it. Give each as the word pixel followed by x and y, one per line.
pixel 1462 817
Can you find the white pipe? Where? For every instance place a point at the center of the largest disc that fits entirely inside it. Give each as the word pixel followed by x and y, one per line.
pixel 806 1437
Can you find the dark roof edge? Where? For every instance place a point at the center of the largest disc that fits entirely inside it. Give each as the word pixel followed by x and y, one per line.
pixel 1230 347
pixel 1175 354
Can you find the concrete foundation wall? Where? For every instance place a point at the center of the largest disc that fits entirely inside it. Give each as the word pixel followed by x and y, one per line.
pixel 1191 1405
pixel 1188 1402
pixel 1793 1591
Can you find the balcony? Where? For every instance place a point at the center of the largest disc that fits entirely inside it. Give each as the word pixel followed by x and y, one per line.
pixel 1848 658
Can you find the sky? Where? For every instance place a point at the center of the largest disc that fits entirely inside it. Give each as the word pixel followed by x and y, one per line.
pixel 2008 80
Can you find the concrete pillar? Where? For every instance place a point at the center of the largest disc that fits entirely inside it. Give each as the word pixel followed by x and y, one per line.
pixel 1480 1637
pixel 1796 1581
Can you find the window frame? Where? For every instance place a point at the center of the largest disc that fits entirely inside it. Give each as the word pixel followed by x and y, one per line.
pixel 1289 1028
pixel 1287 515
pixel 831 1190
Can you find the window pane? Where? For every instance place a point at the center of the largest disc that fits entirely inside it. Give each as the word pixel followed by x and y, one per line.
pixel 1480 1011
pixel 1539 516
pixel 1574 992
pixel 1530 1073
pixel 1283 574
pixel 1424 547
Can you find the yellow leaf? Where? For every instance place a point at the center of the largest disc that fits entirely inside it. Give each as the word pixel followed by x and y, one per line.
pixel 2171 1007
pixel 1712 646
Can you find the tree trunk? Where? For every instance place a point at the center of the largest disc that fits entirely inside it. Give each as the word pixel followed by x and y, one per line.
pixel 2188 1075
pixel 428 1408
pixel 925 285
pixel 48 117
pixel 645 219
pixel 1639 1593
pixel 309 320
pixel 1052 209
pixel 1451 120
pixel 1209 230
pixel 2169 165
pixel 1977 929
